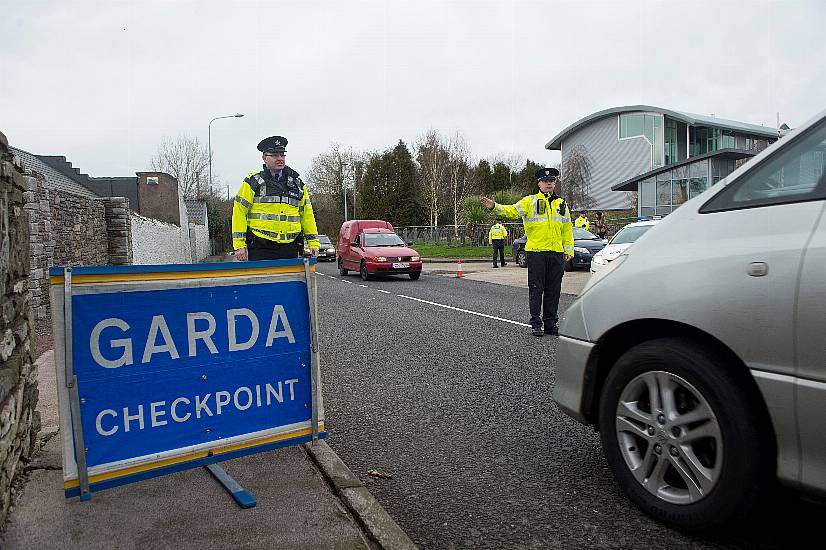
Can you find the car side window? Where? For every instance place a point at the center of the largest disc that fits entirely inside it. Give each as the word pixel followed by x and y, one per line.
pixel 794 174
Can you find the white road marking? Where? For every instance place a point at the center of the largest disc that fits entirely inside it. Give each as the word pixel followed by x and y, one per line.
pixel 348 282
pixel 383 291
pixel 463 310
pixel 364 286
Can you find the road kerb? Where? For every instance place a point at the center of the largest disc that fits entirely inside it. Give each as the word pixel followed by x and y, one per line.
pixel 373 518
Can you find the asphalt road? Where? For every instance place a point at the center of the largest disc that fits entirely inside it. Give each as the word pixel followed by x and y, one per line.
pixel 457 408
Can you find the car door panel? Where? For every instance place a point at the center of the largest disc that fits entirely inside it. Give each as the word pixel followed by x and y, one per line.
pixel 811 359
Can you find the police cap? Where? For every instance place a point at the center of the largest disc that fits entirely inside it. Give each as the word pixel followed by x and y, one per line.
pixel 547 174
pixel 273 144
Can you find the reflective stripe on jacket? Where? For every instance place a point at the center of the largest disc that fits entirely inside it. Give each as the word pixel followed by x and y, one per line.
pixel 278 215
pixel 547 222
pixel 497 231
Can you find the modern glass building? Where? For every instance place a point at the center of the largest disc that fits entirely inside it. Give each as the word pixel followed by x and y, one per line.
pixel 628 146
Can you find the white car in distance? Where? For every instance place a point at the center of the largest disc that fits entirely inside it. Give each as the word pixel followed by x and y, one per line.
pixel 620 242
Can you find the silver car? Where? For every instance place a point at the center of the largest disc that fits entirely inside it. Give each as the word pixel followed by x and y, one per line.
pixel 700 353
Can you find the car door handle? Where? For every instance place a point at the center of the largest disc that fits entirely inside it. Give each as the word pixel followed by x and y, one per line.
pixel 758 269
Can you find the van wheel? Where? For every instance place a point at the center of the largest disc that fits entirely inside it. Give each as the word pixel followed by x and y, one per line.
pixel 365 276
pixel 522 259
pixel 682 435
pixel 341 270
pixel 415 275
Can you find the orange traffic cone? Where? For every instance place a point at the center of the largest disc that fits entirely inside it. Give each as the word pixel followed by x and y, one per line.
pixel 459 268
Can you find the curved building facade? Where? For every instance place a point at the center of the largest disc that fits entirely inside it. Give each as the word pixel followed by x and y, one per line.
pixel 624 143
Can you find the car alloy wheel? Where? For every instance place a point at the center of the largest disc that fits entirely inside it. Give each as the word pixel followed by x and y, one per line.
pixel 521 259
pixel 669 437
pixel 684 433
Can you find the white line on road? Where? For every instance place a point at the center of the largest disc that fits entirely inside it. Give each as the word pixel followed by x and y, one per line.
pixel 364 286
pixel 383 291
pixel 463 310
pixel 348 282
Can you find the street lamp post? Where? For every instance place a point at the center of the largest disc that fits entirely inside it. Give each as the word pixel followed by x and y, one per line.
pixel 209 146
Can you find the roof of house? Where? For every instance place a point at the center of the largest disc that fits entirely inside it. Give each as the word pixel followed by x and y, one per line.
pixel 60 177
pixel 729 154
pixel 688 118
pixel 196 210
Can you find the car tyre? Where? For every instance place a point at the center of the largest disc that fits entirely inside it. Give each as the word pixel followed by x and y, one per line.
pixel 415 275
pixel 522 259
pixel 365 276
pixel 702 457
pixel 341 270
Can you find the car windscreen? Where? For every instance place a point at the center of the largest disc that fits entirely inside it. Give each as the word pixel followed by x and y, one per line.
pixel 382 239
pixel 324 239
pixel 580 233
pixel 630 234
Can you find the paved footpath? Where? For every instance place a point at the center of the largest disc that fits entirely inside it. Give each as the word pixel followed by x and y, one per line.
pixel 307 498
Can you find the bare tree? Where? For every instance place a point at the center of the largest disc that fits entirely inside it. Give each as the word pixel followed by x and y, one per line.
pixel 576 178
pixel 331 175
pixel 458 169
pixel 186 160
pixel 433 160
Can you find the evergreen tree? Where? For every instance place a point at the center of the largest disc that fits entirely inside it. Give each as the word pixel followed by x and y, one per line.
pixel 483 176
pixel 388 188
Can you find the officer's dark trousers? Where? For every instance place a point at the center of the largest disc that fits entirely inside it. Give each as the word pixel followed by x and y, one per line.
pixel 545 271
pixel 263 249
pixel 499 246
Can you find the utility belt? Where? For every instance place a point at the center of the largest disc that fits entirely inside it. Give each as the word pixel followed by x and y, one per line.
pixel 254 241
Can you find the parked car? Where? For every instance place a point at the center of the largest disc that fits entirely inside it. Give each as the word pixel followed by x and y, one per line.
pixel 372 247
pixel 586 244
pixel 698 353
pixel 620 242
pixel 326 252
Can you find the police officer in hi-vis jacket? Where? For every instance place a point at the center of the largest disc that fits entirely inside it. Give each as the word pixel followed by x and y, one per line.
pixel 550 243
pixel 273 209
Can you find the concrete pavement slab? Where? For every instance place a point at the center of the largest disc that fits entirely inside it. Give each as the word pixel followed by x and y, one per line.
pixel 477 269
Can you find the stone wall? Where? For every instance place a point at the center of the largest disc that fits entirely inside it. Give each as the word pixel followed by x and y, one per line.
pixel 19 422
pixel 119 230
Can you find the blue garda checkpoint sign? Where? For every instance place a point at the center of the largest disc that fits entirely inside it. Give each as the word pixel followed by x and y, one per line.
pixel 165 368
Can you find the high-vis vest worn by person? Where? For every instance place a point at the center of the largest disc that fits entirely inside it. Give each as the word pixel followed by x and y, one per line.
pixel 583 222
pixel 547 222
pixel 497 231
pixel 278 211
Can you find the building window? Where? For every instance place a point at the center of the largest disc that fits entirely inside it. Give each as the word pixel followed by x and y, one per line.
pixel 670 141
pixel 679 191
pixel 727 140
pixel 650 127
pixel 696 186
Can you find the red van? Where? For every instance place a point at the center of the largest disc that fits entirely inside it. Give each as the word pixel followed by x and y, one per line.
pixel 372 247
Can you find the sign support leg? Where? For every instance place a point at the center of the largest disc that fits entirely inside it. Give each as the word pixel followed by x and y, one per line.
pixel 311 303
pixel 241 495
pixel 71 385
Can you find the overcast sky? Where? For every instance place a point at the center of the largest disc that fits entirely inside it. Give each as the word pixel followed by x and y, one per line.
pixel 104 82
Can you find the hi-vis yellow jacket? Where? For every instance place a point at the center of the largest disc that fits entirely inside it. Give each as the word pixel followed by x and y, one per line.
pixel 277 211
pixel 583 222
pixel 497 231
pixel 547 222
